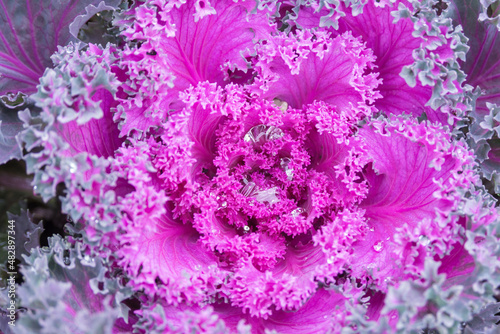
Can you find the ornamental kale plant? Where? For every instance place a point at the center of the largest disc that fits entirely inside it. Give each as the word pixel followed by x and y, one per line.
pixel 255 166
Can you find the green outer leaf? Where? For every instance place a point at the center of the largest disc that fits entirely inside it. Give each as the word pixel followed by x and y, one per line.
pixel 59 292
pixel 10 126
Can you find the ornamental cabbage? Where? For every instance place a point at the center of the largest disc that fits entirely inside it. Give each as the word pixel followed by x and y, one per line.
pixel 261 167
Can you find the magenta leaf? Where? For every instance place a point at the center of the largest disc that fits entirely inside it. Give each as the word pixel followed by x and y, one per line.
pixel 393 45
pixel 183 48
pixel 316 67
pixel 414 170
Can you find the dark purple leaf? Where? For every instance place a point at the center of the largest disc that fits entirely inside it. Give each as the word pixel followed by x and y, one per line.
pixel 30 32
pixel 27 233
pixel 10 126
pixel 483 59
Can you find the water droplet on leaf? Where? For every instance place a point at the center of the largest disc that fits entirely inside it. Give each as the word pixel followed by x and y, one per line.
pixel 72 167
pixel 288 171
pixel 298 211
pixel 66 259
pixel 248 189
pixel 251 190
pixel 378 246
pixel 268 195
pixel 262 133
pixel 223 205
pixel 423 240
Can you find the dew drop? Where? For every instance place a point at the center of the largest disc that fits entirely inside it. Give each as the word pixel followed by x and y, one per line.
pixel 378 246
pixel 223 205
pixel 248 189
pixel 66 259
pixel 423 240
pixel 330 260
pixel 255 134
pixel 268 195
pixel 70 49
pixel 273 133
pixel 288 171
pixel 298 211
pixel 261 133
pixel 246 228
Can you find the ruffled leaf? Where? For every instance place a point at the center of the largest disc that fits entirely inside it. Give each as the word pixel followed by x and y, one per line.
pixel 490 12
pixel 483 72
pixel 487 317
pixel 58 293
pixel 184 47
pixel 392 44
pixel 91 10
pixel 162 253
pixel 10 126
pixel 80 113
pixel 315 67
pixel 27 234
pixel 482 65
pixel 414 173
pixel 31 32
